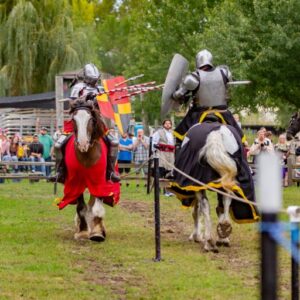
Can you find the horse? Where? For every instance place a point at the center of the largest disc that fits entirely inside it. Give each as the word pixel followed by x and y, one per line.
pixel 212 153
pixel 85 152
pixel 294 126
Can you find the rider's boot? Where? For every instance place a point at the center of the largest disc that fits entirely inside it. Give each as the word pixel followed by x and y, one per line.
pixel 61 170
pixel 112 155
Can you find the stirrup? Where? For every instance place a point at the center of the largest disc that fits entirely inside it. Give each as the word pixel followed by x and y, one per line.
pixel 113 177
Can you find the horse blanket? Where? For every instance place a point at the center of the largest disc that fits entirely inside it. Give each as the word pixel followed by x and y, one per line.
pixel 187 160
pixel 93 178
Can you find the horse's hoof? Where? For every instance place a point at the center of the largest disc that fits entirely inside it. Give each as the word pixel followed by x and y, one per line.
pixel 210 246
pixel 97 238
pixel 82 235
pixel 223 243
pixel 195 238
pixel 224 230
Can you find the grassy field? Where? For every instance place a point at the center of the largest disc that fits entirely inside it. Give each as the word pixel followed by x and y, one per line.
pixel 39 259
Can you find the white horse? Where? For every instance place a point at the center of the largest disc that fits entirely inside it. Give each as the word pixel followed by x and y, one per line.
pixel 217 144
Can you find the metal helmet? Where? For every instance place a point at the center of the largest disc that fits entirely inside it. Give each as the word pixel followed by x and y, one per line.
pixel 91 75
pixel 204 58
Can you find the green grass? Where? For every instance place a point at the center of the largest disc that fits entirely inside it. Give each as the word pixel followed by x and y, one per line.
pixel 39 259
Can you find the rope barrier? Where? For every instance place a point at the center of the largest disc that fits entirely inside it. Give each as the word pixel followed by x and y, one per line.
pixel 231 195
pixel 136 170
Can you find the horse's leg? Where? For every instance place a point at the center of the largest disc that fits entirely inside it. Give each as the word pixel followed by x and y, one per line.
pixel 197 235
pixel 209 241
pixel 96 223
pixel 224 227
pixel 80 219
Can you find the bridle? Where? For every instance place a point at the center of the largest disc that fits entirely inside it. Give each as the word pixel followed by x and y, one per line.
pixel 87 106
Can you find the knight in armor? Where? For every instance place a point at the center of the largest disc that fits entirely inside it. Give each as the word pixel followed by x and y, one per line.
pixel 206 86
pixel 90 86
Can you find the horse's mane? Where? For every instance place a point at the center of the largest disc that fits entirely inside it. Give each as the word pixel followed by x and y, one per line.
pixel 85 102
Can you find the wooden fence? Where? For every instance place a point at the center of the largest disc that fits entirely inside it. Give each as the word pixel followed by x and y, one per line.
pixel 27 121
pixel 131 176
pixel 38 175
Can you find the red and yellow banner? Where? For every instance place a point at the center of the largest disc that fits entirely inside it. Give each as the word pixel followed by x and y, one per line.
pixel 117 110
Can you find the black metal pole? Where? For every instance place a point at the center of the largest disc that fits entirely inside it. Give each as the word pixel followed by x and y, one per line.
pixel 295 264
pixel 156 210
pixel 149 166
pixel 268 260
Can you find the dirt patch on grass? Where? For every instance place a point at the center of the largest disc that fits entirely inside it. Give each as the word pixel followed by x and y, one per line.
pixel 173 225
pixel 116 277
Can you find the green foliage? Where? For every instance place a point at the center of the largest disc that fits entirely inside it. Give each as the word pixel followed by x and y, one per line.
pixel 44 38
pixel 258 40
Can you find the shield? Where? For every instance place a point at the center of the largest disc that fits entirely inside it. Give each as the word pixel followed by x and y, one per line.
pixel 177 70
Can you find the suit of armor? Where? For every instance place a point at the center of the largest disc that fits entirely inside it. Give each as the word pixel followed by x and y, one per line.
pixel 207 88
pixel 90 87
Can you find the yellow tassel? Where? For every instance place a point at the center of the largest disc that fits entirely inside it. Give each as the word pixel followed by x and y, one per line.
pixel 56 201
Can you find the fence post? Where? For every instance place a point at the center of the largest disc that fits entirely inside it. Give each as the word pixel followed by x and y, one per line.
pixel 294 214
pixel 156 209
pixel 149 166
pixel 269 187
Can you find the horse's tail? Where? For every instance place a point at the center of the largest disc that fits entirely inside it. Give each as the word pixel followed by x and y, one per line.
pixel 218 158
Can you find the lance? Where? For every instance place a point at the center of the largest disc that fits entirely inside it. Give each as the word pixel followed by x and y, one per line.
pixel 141 91
pixel 239 82
pixel 132 87
pixel 129 79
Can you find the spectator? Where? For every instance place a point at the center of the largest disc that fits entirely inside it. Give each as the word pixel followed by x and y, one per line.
pixel 261 144
pixel 47 142
pixel 282 147
pixel 269 135
pixel 297 171
pixel 237 119
pixel 22 154
pixel 163 139
pixel 140 147
pixel 13 149
pixel 36 150
pixel 5 149
pixel 125 152
pixel 57 134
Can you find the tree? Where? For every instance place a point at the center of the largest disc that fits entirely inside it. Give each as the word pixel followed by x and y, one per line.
pixel 42 39
pixel 260 41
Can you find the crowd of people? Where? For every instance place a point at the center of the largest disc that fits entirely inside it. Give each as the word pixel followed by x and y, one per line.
pixel 133 149
pixel 264 143
pixel 38 148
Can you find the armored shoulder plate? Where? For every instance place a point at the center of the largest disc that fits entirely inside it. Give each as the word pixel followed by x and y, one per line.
pixel 226 72
pixel 76 90
pixel 191 81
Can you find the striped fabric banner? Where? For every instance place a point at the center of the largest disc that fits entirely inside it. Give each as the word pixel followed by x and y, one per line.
pixel 121 109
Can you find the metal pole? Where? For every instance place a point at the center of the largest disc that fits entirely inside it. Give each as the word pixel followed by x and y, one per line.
pixel 268 260
pixel 149 166
pixel 295 265
pixel 156 210
pixel 270 198
pixel 294 213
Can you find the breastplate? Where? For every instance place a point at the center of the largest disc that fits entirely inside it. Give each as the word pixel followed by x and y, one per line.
pixel 212 90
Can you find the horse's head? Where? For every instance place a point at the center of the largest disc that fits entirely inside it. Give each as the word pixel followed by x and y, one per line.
pixel 88 126
pixel 294 126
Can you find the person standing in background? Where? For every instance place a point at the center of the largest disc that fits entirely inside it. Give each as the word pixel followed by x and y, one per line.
pixel 164 141
pixel 140 147
pixel 125 153
pixel 47 142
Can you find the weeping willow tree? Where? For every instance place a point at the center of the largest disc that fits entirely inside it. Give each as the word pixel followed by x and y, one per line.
pixel 41 39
